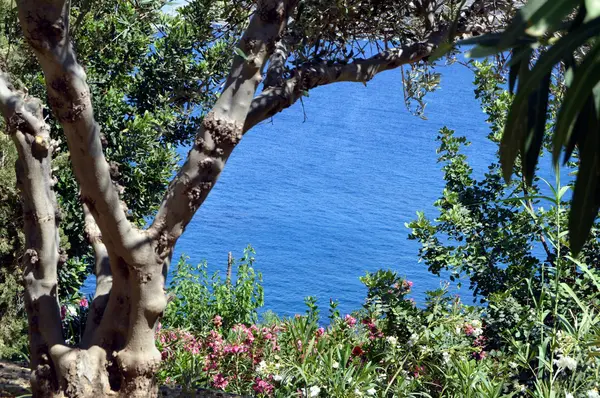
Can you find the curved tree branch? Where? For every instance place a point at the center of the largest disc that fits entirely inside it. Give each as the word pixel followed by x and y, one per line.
pixel 45 24
pixel 275 99
pixel 31 136
pixel 222 128
pixel 103 277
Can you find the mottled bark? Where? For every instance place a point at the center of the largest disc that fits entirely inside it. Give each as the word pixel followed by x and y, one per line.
pixel 25 125
pixel 276 98
pixel 131 264
pixel 118 356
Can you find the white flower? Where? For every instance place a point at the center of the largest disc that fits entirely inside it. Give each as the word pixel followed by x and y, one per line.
pixel 593 393
pixel 314 391
pixel 566 362
pixel 371 391
pixel 277 365
pixel 261 367
pixel 569 395
pixel 277 378
pixel 457 330
pixel 477 332
pixel 519 387
pixel 513 365
pixel 476 324
pixel 392 340
pixel 412 340
pixel 350 379
pixel 357 392
pixel 446 357
pixel 335 365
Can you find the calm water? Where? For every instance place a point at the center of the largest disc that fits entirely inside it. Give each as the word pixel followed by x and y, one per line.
pixel 324 200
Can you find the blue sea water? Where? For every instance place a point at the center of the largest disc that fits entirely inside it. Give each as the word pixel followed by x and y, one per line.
pixel 323 191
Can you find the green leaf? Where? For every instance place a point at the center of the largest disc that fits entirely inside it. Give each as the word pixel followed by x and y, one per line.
pixel 592 8
pixel 512 139
pixel 572 294
pixel 440 51
pixel 549 15
pixel 584 206
pixel 241 53
pixel 535 135
pixel 586 78
pixel 546 62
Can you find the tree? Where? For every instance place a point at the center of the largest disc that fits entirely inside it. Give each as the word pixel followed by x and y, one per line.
pixel 141 132
pixel 296 45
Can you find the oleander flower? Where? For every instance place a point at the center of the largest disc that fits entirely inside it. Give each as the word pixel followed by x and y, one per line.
pixel 314 391
pixel 350 320
pixel 566 362
pixel 219 381
pixel 84 303
pixel 262 386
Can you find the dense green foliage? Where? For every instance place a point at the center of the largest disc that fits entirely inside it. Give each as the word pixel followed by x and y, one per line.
pixel 197 298
pixel 547 36
pixel 140 63
pixel 13 338
pixel 537 334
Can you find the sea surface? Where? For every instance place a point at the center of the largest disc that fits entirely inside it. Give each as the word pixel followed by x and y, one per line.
pixel 322 192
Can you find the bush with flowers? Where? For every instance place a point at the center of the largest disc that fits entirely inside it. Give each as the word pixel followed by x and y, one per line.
pixel 389 348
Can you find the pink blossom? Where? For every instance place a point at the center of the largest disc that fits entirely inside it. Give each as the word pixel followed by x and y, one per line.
pixel 320 332
pixel 299 345
pixel 219 381
pixel 374 332
pixel 234 349
pixel 262 387
pixel 158 327
pixel 84 303
pixel 480 355
pixel 350 320
pixel 218 321
pixel 418 371
pixel 469 329
pixel 407 285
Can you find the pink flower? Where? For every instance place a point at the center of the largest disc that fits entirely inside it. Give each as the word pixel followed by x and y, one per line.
pixel 320 332
pixel 63 312
pixel 299 345
pixel 419 370
pixel 84 303
pixel 350 320
pixel 158 328
pixel 217 321
pixel 407 285
pixel 469 329
pixel 234 349
pixel 262 387
pixel 219 381
pixel 357 351
pixel 480 355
